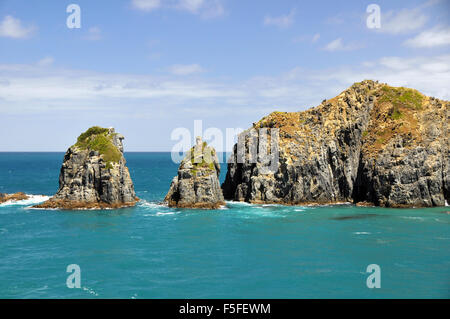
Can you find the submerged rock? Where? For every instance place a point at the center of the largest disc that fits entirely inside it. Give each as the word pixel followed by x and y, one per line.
pixel 197 182
pixel 94 174
pixel 372 144
pixel 13 197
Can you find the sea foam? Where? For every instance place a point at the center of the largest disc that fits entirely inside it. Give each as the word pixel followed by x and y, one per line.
pixel 32 200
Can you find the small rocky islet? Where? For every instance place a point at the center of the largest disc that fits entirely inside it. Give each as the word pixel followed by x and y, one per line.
pixel 197 182
pixel 94 174
pixel 372 145
pixel 13 197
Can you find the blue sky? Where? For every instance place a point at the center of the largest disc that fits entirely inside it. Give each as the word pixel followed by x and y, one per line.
pixel 147 67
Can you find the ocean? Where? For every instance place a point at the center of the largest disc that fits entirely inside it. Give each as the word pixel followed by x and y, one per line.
pixel 240 251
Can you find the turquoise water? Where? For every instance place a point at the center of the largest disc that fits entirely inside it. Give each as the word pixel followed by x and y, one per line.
pixel 242 251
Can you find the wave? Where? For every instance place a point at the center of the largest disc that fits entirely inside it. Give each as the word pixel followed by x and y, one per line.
pixel 156 209
pixel 413 218
pixel 236 203
pixel 90 290
pixel 32 200
pixel 146 203
pixel 162 214
pixel 362 233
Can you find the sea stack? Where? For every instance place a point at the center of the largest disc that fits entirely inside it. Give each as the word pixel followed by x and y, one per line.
pixel 94 174
pixel 373 144
pixel 197 182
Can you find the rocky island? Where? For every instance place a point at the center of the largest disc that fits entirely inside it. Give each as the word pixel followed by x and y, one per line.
pixel 94 174
pixel 373 144
pixel 197 182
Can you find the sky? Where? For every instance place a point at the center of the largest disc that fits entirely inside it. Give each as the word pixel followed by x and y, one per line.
pixel 148 67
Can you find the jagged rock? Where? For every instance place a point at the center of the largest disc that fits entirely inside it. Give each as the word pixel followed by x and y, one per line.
pixel 197 183
pixel 372 144
pixel 94 174
pixel 13 197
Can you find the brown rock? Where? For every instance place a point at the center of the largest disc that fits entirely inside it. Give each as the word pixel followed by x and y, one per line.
pixel 13 197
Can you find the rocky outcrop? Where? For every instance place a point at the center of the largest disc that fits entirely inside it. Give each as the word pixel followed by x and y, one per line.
pixel 197 182
pixel 13 197
pixel 94 174
pixel 372 144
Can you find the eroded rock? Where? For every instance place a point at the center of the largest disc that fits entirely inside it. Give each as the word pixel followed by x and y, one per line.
pixel 197 182
pixel 94 174
pixel 373 144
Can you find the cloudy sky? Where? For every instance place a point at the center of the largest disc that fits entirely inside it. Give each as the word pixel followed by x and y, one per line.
pixel 147 67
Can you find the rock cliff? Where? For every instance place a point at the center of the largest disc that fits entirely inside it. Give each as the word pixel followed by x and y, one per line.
pixel 373 144
pixel 197 182
pixel 94 174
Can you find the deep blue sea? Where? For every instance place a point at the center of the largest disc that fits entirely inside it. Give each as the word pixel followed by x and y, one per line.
pixel 241 251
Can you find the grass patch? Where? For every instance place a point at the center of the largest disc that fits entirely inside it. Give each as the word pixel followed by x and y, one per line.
pixel 95 130
pixel 207 159
pixel 396 114
pixel 401 97
pixel 97 139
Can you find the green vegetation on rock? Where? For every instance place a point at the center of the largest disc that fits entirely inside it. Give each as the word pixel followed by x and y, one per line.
pixel 97 139
pixel 402 97
pixel 207 159
pixel 95 130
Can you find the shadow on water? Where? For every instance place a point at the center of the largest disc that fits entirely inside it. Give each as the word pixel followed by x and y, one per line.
pixel 359 216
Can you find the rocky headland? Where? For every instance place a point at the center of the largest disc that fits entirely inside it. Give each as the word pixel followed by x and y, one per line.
pixel 197 182
pixel 373 144
pixel 94 174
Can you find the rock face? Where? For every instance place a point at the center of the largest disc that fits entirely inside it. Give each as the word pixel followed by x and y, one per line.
pixel 93 174
pixel 197 183
pixel 372 144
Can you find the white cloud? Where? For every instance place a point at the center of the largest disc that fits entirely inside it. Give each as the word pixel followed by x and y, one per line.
pixel 212 9
pixel 430 75
pixel 47 61
pixel 146 5
pixel 403 21
pixel 12 28
pixel 307 38
pixel 338 45
pixel 191 5
pixel 185 69
pixel 29 89
pixel 316 37
pixel 283 21
pixel 204 8
pixel 438 36
pixel 94 34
